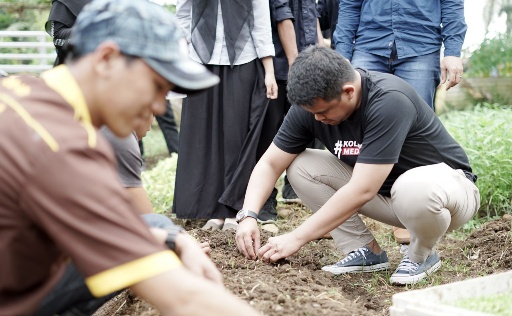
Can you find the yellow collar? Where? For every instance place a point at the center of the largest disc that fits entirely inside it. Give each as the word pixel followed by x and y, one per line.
pixel 62 81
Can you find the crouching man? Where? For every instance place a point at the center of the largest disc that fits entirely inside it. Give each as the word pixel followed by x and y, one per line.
pixel 60 198
pixel 389 157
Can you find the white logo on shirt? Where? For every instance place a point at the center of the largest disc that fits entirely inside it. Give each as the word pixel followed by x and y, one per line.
pixel 347 148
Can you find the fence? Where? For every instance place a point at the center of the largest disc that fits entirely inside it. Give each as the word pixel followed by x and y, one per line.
pixel 26 51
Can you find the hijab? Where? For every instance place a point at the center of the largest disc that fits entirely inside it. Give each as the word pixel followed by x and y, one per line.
pixel 62 14
pixel 238 20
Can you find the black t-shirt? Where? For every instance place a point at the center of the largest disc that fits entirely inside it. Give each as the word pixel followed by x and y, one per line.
pixel 393 125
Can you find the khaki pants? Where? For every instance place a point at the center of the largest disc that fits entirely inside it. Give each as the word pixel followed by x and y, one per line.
pixel 428 201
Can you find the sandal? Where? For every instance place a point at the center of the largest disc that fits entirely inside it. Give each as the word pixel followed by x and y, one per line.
pixel 230 224
pixel 213 224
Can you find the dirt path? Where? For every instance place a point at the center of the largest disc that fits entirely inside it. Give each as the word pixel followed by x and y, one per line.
pixel 297 286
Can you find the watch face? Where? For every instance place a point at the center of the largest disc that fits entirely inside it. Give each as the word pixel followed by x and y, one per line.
pixel 240 215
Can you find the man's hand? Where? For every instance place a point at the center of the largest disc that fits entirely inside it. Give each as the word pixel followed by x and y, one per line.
pixel 206 248
pixel 271 84
pixel 280 247
pixel 194 257
pixel 248 238
pixel 451 71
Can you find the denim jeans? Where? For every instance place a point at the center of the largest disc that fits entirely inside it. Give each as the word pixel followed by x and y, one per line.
pixel 422 72
pixel 71 297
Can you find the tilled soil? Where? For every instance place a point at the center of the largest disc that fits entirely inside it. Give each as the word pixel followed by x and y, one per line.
pixel 298 286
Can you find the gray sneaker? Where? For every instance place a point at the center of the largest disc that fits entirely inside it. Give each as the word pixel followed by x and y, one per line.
pixel 409 272
pixel 360 260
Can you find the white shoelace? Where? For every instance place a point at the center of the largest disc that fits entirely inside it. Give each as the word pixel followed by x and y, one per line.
pixel 407 265
pixel 354 254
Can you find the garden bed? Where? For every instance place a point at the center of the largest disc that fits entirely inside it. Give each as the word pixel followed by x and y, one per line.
pixel 298 286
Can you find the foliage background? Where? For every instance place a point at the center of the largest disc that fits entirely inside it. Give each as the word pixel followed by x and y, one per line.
pixel 24 15
pixel 492 59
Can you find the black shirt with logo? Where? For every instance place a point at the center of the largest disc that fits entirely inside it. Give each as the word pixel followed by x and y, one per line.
pixel 393 125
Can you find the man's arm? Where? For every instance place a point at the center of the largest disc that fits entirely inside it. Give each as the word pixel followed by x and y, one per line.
pixel 346 28
pixel 179 292
pixel 287 37
pixel 140 200
pixel 453 33
pixel 263 178
pixel 184 17
pixel 319 34
pixel 363 186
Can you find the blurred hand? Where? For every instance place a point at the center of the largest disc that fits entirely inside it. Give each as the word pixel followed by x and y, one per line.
pixel 279 247
pixel 271 84
pixel 194 257
pixel 248 238
pixel 451 71
pixel 206 248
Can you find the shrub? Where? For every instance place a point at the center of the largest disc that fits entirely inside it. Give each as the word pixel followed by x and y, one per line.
pixel 159 184
pixel 492 59
pixel 485 134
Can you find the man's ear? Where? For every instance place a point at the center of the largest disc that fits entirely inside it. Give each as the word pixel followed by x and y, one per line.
pixel 349 90
pixel 104 56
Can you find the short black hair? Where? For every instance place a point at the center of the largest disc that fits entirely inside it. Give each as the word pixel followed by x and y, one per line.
pixel 318 73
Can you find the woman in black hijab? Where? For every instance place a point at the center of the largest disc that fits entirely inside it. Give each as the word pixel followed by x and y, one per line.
pixel 222 127
pixel 62 17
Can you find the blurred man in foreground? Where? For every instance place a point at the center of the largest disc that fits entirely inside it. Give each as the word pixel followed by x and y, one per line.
pixel 60 197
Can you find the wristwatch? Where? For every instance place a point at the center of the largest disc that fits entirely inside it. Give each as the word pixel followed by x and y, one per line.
pixel 172 233
pixel 243 214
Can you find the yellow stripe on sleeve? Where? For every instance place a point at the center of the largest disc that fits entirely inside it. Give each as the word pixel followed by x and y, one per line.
pixel 132 272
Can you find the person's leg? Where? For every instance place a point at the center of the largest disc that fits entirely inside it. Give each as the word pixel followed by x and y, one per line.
pixel 71 297
pixel 422 73
pixel 268 212
pixel 273 119
pixel 169 128
pixel 370 62
pixel 316 175
pixel 288 193
pixel 430 201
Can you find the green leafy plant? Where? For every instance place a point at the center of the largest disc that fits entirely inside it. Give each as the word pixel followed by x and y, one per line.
pixel 159 184
pixel 485 134
pixel 154 142
pixel 492 59
pixel 499 304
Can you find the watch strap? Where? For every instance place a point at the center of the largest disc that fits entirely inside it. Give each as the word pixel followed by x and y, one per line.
pixel 172 233
pixel 247 213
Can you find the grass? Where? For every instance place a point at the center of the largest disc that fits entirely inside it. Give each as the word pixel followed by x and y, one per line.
pixel 154 142
pixel 499 304
pixel 159 184
pixel 485 134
